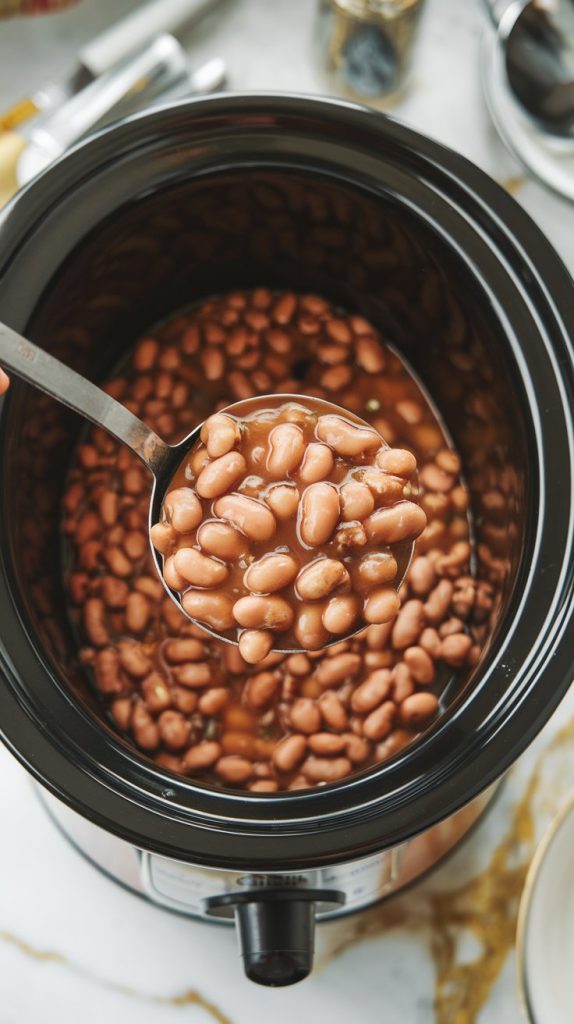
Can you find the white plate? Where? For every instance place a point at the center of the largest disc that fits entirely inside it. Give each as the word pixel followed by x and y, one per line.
pixel 545 936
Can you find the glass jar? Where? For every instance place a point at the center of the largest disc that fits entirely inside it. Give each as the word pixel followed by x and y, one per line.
pixel 364 46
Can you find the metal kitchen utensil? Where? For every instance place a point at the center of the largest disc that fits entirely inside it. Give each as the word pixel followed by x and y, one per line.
pixel 43 371
pixel 169 78
pixel 161 69
pixel 538 43
pixel 109 48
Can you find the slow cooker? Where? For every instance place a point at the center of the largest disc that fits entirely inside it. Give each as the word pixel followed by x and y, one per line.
pixel 237 191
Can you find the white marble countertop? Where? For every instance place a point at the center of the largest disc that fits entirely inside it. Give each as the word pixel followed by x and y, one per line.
pixel 73 945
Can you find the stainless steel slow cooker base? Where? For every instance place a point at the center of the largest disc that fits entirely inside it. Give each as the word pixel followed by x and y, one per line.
pixel 185 888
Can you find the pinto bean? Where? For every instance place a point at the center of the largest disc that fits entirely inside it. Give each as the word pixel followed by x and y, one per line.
pixel 270 573
pixel 286 449
pixel 420 664
pixel 155 693
pixel 372 692
pixel 212 363
pixel 118 563
pixel 174 730
pixel 137 612
pixel 317 463
pixel 284 308
pixel 346 438
pixel 172 577
pixel 203 755
pixel 320 578
pixel 409 625
pixel 381 605
pixel 221 539
pixel 456 648
pixel 333 711
pixel 387 488
pixel 219 434
pixel 115 592
pixel 198 569
pixel 255 645
pixel 377 637
pixel 438 602
pixel 121 710
pixel 357 501
pixel 144 729
pixel 107 671
pixel 376 567
pixel 213 607
pixel 433 478
pixel 305 716
pixel 396 461
pixel 401 522
pixel 422 576
pixel 255 612
pixel 234 769
pixel 325 769
pixel 403 683
pixel 289 753
pixel 327 744
pixel 417 710
pixel 429 640
pixel 220 475
pixel 378 724
pixel 336 377
pixel 369 354
pixel 135 545
pixel 134 659
pixel 309 630
pixel 145 354
pixel 179 652
pixel 283 500
pixel 334 671
pixel 184 700
pixel 261 689
pixel 195 674
pixel 263 786
pixel 213 701
pixel 163 538
pixel 319 514
pixel 358 748
pixel 183 509
pixel 339 330
pixel 340 615
pixel 95 622
pixel 250 516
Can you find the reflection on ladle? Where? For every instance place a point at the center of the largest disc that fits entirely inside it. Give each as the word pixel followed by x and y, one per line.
pixel 320 424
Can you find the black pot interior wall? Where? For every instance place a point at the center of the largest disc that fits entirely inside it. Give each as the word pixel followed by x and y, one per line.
pixel 286 230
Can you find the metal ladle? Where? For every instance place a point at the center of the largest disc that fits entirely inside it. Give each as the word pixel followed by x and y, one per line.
pixel 43 371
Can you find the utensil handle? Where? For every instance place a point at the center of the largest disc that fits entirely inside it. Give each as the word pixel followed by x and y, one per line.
pixel 37 367
pixel 163 58
pixel 133 31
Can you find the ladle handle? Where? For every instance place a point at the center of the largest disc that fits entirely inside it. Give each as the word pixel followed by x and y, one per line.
pixel 37 367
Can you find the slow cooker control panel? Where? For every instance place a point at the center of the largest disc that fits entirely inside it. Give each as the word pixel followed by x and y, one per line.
pixel 188 887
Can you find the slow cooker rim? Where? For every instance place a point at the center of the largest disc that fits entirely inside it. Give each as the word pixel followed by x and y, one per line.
pixel 322 104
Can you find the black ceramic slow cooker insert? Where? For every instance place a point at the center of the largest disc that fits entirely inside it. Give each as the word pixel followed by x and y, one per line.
pixel 290 192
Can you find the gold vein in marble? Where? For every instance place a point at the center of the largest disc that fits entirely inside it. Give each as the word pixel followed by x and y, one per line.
pixel 513 184
pixel 486 907
pixel 190 997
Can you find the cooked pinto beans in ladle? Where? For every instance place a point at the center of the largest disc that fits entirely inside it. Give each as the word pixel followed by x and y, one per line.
pixel 289 525
pixel 309 567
